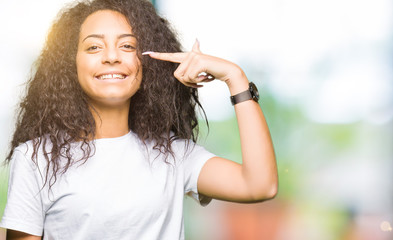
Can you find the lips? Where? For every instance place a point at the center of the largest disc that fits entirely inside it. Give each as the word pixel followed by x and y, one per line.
pixel 106 76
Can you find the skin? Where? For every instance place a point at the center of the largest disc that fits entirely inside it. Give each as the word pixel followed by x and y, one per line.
pixel 254 180
pixel 107 45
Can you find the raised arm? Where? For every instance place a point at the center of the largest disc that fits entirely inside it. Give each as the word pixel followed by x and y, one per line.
pixel 256 178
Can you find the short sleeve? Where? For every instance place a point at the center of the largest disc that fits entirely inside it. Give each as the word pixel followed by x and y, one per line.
pixel 23 211
pixel 195 158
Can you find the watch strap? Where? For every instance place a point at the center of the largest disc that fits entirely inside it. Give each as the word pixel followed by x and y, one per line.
pixel 241 97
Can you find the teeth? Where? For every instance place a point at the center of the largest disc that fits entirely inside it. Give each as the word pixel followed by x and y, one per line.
pixel 111 76
pixel 106 76
pixel 118 76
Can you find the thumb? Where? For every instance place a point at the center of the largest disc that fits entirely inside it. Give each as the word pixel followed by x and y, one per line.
pixel 195 47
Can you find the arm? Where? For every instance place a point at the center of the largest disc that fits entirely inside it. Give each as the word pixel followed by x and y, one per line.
pixel 23 215
pixel 16 235
pixel 255 179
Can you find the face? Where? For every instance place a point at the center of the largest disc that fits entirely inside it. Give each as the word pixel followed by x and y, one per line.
pixel 109 70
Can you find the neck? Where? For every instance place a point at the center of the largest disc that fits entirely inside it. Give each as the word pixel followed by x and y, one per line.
pixel 111 121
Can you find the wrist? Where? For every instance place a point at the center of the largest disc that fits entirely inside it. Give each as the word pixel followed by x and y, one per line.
pixel 250 94
pixel 237 83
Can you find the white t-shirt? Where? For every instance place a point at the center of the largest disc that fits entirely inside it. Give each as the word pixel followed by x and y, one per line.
pixel 122 192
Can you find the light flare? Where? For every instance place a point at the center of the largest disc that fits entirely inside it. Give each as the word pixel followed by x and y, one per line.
pixel 386 227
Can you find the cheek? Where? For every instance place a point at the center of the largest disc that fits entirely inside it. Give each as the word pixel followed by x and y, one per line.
pixel 135 65
pixel 79 65
pixel 82 70
pixel 134 62
pixel 83 67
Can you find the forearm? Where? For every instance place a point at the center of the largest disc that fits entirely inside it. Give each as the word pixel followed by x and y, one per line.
pixel 259 168
pixel 254 180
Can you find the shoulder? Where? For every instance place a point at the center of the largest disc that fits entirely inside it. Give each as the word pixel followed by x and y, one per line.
pixel 28 146
pixel 32 151
pixel 22 161
pixel 182 144
pixel 182 148
pixel 188 150
pixel 25 149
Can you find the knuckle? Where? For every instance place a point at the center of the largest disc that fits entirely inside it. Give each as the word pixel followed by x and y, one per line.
pixel 177 75
pixel 198 60
pixel 192 55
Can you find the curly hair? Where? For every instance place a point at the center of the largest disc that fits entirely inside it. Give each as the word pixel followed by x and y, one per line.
pixel 55 109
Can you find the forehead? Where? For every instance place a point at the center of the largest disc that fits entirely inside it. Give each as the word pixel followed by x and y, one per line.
pixel 105 22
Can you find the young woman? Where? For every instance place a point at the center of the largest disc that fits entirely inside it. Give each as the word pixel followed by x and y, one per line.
pixel 104 146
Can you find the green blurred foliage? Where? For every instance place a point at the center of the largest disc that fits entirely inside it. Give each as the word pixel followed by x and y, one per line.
pixel 302 147
pixel 3 188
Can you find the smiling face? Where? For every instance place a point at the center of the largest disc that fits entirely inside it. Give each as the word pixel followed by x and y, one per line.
pixel 109 70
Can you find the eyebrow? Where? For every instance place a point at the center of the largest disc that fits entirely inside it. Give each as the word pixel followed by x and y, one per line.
pixel 102 36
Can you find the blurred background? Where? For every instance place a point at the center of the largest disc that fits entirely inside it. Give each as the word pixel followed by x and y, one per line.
pixel 324 69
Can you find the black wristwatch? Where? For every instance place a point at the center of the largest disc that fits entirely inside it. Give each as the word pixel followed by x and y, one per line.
pixel 250 93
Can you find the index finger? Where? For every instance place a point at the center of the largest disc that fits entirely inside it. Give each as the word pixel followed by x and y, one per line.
pixel 170 57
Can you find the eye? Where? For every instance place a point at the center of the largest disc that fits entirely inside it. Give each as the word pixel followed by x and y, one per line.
pixel 128 47
pixel 92 48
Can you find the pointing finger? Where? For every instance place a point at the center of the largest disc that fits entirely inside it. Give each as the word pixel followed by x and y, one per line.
pixel 196 46
pixel 170 57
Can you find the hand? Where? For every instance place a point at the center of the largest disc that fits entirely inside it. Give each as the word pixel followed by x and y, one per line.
pixel 196 67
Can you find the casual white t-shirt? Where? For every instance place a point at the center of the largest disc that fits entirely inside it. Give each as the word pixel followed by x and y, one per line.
pixel 124 191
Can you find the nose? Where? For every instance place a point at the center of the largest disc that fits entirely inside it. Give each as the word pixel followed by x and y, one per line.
pixel 111 56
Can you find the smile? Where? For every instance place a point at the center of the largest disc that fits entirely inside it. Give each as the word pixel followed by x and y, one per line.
pixel 111 76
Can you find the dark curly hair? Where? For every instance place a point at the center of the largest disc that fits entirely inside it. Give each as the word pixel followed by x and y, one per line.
pixel 55 109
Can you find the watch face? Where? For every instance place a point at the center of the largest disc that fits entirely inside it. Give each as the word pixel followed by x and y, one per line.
pixel 254 92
